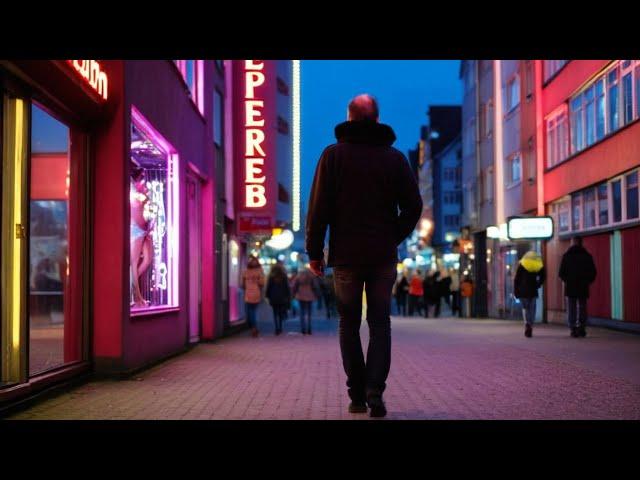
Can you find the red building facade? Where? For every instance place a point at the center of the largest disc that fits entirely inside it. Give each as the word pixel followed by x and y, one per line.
pixel 590 111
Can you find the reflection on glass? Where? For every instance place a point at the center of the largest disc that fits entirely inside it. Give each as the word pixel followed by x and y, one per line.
pixel 589 208
pixel 616 197
pixel 575 207
pixel 603 204
pixel 632 195
pixel 48 242
pixel 148 229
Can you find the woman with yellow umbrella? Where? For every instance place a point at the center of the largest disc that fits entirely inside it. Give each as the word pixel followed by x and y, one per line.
pixel 529 278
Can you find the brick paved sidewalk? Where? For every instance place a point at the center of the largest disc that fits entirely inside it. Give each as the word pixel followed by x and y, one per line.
pixel 441 369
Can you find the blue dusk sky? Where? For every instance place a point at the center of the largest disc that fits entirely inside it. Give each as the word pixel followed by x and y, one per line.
pixel 404 89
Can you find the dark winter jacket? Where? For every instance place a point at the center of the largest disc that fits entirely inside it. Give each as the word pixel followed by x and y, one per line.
pixel 432 288
pixel 577 271
pixel 278 292
pixel 359 185
pixel 402 287
pixel 526 283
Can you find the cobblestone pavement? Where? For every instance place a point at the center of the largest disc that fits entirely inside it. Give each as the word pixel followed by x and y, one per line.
pixel 441 369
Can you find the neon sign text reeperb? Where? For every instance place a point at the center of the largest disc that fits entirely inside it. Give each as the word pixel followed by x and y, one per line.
pixel 94 76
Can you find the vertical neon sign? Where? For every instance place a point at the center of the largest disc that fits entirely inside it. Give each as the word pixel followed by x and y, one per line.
pixel 296 145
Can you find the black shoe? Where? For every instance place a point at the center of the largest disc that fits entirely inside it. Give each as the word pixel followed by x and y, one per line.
pixel 582 331
pixel 527 331
pixel 574 332
pixel 358 407
pixel 377 407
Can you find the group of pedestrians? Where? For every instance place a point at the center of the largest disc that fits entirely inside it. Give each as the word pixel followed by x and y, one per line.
pixel 577 271
pixel 423 293
pixel 296 294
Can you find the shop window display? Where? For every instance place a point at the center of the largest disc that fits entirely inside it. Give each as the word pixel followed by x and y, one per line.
pixel 153 238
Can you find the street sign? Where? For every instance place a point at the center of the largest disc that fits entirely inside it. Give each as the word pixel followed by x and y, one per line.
pixel 530 228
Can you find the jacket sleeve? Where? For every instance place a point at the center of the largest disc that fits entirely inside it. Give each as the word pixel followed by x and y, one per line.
pixel 542 276
pixel 563 268
pixel 409 201
pixel 319 208
pixel 517 281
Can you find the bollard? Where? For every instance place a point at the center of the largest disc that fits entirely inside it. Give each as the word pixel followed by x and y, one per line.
pixel 466 307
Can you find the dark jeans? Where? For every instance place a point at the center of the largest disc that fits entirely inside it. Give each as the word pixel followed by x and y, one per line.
pixel 436 307
pixel 455 302
pixel 279 314
pixel 415 304
pixel 328 304
pixel 528 310
pixel 577 312
pixel 401 303
pixel 365 379
pixel 251 313
pixel 305 316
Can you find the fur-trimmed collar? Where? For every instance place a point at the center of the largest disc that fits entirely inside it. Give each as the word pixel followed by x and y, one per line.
pixel 365 132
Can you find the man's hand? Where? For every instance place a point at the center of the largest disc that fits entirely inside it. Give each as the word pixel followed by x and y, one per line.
pixel 317 267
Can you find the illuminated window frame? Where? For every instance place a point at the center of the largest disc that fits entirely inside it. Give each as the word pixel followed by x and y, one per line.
pixel 557 136
pixel 173 209
pixel 632 68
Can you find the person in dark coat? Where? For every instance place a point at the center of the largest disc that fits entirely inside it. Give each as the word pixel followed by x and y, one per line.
pixel 279 294
pixel 401 292
pixel 366 191
pixel 577 271
pixel 432 294
pixel 530 276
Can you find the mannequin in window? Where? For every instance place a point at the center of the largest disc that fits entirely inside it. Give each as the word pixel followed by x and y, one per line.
pixel 142 216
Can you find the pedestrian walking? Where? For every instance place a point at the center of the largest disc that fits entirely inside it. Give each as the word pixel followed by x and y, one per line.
pixel 401 290
pixel 305 290
pixel 252 283
pixel 432 294
pixel 455 292
pixel 416 292
pixel 360 185
pixel 578 272
pixel 530 275
pixel 278 294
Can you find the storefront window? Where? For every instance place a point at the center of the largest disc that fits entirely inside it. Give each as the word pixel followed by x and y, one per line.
pixel 589 202
pixel 154 218
pixel 48 242
pixel 632 195
pixel 603 204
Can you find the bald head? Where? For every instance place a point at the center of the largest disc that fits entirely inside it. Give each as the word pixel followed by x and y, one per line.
pixel 363 108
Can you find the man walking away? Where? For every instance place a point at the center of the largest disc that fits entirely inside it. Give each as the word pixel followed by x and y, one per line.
pixel 577 271
pixel 305 290
pixel 530 276
pixel 360 185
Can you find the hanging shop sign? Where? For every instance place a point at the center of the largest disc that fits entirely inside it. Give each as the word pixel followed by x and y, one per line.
pixel 530 228
pixel 255 224
pixel 93 75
